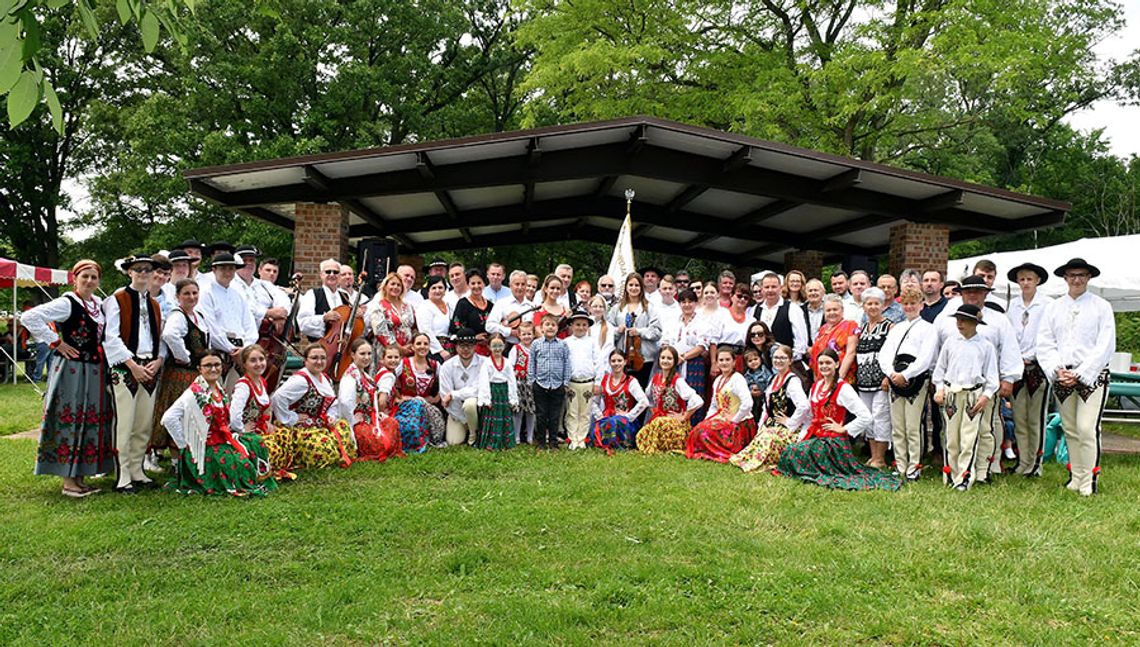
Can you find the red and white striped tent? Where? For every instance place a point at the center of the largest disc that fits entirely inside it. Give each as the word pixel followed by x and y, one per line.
pixel 19 275
pixel 26 276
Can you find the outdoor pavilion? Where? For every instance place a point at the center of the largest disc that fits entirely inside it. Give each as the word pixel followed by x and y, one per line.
pixel 701 193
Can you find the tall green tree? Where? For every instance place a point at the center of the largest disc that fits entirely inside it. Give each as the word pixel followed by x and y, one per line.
pixel 36 158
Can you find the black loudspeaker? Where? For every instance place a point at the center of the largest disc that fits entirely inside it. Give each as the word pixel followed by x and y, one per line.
pixel 869 264
pixel 377 256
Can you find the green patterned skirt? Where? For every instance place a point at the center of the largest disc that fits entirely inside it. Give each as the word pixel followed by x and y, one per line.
pixel 225 471
pixel 496 422
pixel 830 463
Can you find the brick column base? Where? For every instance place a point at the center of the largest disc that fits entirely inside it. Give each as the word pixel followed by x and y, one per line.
pixel 919 246
pixel 321 232
pixel 808 261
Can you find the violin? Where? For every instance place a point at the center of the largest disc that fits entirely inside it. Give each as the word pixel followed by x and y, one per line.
pixel 340 336
pixel 277 337
pixel 634 361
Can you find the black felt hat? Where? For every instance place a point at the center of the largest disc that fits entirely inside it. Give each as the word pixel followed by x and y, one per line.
pixel 225 259
pixel 974 283
pixel 971 312
pixel 124 264
pixel 1077 264
pixel 1028 267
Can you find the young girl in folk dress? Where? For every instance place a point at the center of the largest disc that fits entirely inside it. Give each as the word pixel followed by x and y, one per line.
pixel 823 456
pixel 618 408
pixel 375 431
pixel 729 425
pixel 674 403
pixel 520 359
pixel 211 460
pixel 250 413
pixel 498 398
pixel 302 404
pixel 785 411
pixel 417 378
pixel 410 413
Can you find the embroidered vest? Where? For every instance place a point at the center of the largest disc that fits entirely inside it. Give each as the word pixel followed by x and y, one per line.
pixel 128 301
pixel 82 332
pixel 312 408
pixel 255 417
pixel 409 384
pixel 665 397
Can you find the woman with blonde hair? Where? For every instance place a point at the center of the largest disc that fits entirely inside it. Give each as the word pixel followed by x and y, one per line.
pixel 391 320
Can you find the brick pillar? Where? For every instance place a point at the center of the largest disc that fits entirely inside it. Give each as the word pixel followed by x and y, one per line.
pixel 919 246
pixel 808 261
pixel 321 232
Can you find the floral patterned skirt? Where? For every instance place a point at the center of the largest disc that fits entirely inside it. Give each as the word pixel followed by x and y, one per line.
pixel 526 397
pixel 830 463
pixel 613 432
pixel 173 383
pixel 279 444
pixel 663 434
pixel 415 425
pixel 317 447
pixel 259 456
pixel 225 471
pixel 716 439
pixel 77 436
pixel 378 442
pixel 496 422
pixel 765 448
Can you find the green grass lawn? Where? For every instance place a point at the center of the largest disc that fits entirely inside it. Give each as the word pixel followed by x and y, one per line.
pixel 460 546
pixel 20 407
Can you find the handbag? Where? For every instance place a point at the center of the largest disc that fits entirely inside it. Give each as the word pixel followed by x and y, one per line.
pixel 901 362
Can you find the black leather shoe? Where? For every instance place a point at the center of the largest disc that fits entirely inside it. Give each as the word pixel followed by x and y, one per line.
pixel 125 489
pixel 144 485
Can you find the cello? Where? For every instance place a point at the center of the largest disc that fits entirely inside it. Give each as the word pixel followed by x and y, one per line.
pixel 277 337
pixel 339 337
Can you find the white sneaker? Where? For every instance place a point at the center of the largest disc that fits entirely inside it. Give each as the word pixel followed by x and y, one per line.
pixel 150 463
pixel 1008 453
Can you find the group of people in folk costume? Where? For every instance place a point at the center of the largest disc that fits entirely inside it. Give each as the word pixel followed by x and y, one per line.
pixel 778 375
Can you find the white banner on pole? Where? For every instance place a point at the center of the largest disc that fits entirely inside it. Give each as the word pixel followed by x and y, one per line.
pixel 622 263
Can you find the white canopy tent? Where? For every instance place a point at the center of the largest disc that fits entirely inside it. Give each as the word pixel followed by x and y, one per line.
pixel 1119 282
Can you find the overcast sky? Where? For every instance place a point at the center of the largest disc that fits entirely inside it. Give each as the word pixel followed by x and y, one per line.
pixel 1121 123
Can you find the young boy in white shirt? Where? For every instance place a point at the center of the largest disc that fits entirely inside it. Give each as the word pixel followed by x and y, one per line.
pixel 584 361
pixel 966 379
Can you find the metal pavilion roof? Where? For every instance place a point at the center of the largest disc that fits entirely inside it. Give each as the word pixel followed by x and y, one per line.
pixel 699 192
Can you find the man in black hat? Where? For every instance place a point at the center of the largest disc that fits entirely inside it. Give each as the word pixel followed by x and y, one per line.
pixel 966 381
pixel 179 269
pixel 228 317
pixel 999 333
pixel 1076 340
pixel 159 279
pixel 459 389
pixel 195 250
pixel 1031 393
pixel 135 355
pixel 651 277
